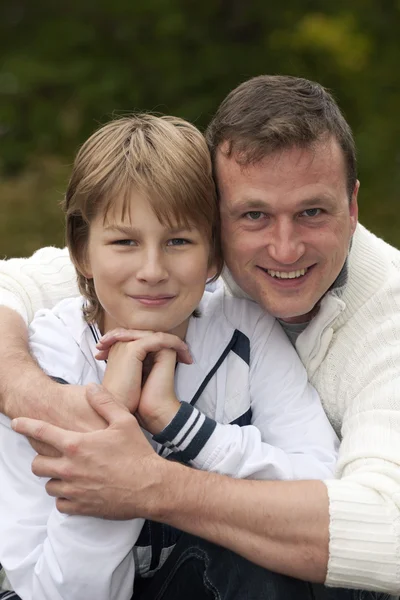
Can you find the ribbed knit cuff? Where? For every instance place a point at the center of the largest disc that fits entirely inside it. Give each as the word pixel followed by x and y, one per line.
pixel 364 546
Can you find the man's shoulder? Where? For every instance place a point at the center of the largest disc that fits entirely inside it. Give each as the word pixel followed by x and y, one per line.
pixel 373 276
pixel 372 250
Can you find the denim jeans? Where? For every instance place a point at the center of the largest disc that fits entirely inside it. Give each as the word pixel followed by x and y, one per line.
pixel 199 570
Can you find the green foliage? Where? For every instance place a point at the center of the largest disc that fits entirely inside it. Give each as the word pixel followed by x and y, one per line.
pixel 68 66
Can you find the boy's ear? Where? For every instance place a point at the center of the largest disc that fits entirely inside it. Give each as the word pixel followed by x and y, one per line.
pixel 82 263
pixel 212 270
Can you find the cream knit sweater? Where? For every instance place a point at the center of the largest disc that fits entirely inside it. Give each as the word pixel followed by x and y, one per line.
pixel 351 350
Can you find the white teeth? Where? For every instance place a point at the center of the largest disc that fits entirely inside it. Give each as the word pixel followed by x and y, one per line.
pixel 287 275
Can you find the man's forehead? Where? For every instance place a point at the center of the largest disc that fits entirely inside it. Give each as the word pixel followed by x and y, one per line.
pixel 317 159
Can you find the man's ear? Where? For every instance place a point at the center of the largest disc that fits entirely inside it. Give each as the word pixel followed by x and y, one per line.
pixel 354 207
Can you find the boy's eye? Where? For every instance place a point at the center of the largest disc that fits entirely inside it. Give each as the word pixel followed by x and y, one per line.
pixel 124 242
pixel 178 242
pixel 311 212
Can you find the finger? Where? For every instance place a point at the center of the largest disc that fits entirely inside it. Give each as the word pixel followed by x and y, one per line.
pixel 68 507
pixel 42 432
pixel 58 489
pixel 165 357
pixel 160 341
pixel 121 335
pixel 43 449
pixel 105 405
pixel 102 354
pixel 47 466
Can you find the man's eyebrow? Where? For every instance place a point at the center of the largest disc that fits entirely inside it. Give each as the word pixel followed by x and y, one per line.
pixel 318 201
pixel 248 204
pixel 256 204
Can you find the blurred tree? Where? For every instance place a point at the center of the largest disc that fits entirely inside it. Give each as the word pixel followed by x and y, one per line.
pixel 66 67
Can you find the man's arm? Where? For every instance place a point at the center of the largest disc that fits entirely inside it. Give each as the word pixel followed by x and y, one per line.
pixel 26 285
pixel 40 281
pixel 280 525
pixel 26 390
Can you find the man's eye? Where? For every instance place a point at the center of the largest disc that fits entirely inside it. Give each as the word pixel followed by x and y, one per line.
pixel 178 242
pixel 311 212
pixel 254 215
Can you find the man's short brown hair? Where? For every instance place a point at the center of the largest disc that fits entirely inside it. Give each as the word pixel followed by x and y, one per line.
pixel 273 112
pixel 164 158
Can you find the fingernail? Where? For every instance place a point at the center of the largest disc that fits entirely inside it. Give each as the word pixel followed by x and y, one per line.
pixel 14 424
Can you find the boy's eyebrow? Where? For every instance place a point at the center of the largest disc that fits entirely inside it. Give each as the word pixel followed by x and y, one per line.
pixel 128 230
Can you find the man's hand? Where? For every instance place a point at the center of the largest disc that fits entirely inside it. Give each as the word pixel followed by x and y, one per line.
pixel 69 408
pixel 113 473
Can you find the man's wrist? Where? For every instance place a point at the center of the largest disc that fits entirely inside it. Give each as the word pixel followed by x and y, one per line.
pixel 167 499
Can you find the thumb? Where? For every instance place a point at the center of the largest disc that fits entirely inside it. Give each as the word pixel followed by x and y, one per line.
pixel 105 404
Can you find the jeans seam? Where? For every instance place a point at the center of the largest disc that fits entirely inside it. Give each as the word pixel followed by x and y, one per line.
pixel 190 553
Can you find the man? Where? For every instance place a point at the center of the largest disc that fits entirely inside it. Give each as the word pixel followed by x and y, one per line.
pixel 285 169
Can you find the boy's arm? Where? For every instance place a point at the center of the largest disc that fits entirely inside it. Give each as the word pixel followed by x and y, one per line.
pixel 53 556
pixel 289 436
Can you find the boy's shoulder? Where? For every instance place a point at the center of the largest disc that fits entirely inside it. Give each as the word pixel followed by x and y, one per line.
pixel 220 307
pixel 65 316
pixel 59 340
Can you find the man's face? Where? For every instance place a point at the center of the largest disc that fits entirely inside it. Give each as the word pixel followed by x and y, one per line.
pixel 286 225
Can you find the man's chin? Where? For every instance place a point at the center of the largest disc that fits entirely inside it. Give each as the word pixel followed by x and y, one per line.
pixel 289 314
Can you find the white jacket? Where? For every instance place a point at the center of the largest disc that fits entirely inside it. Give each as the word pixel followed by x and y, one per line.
pixel 247 411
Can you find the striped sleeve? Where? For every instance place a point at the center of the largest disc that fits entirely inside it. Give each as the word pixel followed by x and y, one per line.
pixel 187 433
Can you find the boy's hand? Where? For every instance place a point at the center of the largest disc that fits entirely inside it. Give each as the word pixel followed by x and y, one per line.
pixel 165 340
pixel 128 362
pixel 158 403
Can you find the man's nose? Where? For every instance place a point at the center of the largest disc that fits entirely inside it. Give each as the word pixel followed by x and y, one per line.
pixel 286 245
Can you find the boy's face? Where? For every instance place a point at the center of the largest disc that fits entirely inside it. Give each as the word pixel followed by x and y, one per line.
pixel 146 275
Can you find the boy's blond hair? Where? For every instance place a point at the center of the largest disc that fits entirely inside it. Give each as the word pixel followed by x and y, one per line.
pixel 164 158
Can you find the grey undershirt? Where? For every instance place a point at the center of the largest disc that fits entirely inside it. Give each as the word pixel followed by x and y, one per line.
pixel 293 330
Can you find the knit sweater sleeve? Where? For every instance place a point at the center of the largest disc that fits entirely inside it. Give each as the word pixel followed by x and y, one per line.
pixel 40 281
pixel 365 498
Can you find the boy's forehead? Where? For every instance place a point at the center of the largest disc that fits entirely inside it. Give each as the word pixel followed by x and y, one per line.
pixel 131 214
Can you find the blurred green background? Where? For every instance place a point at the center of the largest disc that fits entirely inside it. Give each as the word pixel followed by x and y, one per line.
pixel 67 66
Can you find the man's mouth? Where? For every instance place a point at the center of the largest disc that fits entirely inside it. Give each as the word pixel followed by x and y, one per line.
pixel 286 274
